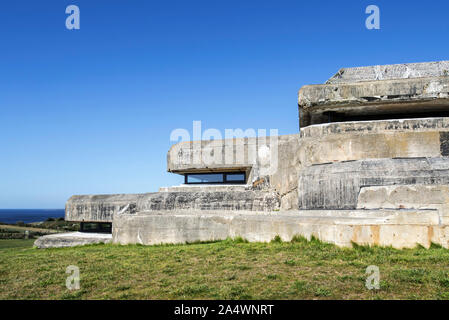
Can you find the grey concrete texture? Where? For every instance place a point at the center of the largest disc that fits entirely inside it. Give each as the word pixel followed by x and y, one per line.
pixel 100 208
pixel 357 128
pixel 417 196
pixel 398 228
pixel 407 197
pixel 408 138
pixel 71 239
pixel 258 156
pixel 381 97
pixel 337 185
pixel 276 172
pixel 219 155
pixel 391 72
pixel 103 208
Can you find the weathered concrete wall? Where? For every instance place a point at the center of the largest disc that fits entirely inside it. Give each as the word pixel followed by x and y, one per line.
pixel 418 95
pixel 391 72
pixel 225 200
pixel 103 208
pixel 100 208
pixel 337 185
pixel 410 138
pixel 284 180
pixel 220 155
pixel 381 227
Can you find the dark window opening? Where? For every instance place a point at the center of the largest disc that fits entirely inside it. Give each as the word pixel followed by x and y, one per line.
pixel 97 227
pixel 341 117
pixel 215 178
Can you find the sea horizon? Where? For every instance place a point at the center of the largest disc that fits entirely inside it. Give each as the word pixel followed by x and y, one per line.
pixel 12 216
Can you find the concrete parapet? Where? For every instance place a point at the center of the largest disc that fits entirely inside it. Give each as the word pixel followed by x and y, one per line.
pixel 391 72
pixel 103 208
pixel 336 102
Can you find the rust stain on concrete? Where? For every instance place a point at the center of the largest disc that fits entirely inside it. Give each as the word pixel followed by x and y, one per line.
pixel 375 234
pixel 430 234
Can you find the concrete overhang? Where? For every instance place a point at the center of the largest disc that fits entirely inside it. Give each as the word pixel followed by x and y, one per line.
pixel 226 155
pixel 380 99
pixel 210 169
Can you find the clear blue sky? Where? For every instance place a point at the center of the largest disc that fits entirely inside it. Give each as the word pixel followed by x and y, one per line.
pixel 91 110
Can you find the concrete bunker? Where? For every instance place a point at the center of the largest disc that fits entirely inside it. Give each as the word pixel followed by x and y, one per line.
pixel 369 165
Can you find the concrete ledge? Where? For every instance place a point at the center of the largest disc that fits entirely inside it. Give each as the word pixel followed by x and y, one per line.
pixel 407 197
pixel 205 188
pixel 430 124
pixel 398 228
pixel 71 239
pixel 391 72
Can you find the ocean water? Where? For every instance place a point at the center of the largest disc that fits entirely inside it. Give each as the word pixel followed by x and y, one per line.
pixel 29 215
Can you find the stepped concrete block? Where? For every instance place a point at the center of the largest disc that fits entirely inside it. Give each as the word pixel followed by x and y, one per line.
pixel 337 185
pixel 337 142
pixel 100 208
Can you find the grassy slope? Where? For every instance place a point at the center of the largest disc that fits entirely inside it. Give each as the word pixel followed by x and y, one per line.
pixel 223 270
pixel 23 229
pixel 15 243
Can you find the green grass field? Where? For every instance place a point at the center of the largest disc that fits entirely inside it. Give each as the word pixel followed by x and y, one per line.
pixel 16 243
pixel 230 269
